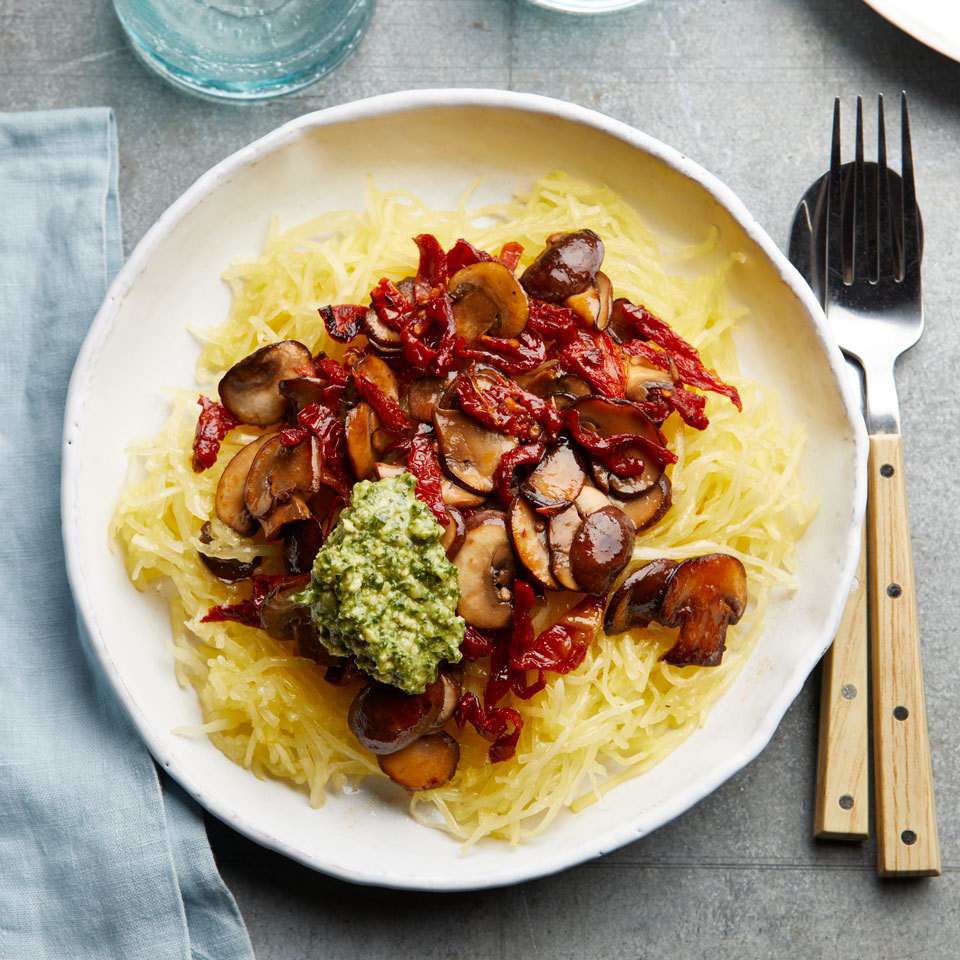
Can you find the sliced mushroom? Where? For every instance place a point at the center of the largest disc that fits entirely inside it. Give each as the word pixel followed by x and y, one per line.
pixel 425 764
pixel 451 696
pixel 470 452
pixel 250 389
pixel 551 380
pixel 609 418
pixel 637 600
pixel 285 619
pixel 529 533
pixel 385 719
pixel 423 395
pixel 229 502
pixel 359 426
pixel 593 304
pixel 294 510
pixel 453 494
pixel 556 480
pixel 601 548
pixel 563 529
pixel 566 267
pixel 230 570
pixel 486 569
pixel 278 472
pixel 384 338
pixel 302 391
pixel 454 532
pixel 487 299
pixel 376 370
pixel 704 596
pixel 650 506
pixel 642 378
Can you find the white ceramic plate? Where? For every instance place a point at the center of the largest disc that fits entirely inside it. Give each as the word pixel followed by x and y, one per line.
pixel 435 143
pixel 935 23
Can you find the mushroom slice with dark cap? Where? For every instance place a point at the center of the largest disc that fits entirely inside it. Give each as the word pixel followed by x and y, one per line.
pixel 556 480
pixel 278 472
pixel 453 494
pixel 454 532
pixel 379 373
pixel 642 378
pixel 359 426
pixel 610 418
pixel 285 619
pixel 637 600
pixel 427 763
pixel 529 533
pixel 229 502
pixel 384 338
pixel 552 380
pixel 593 305
pixel 229 569
pixel 566 267
pixel 385 719
pixel 486 569
pixel 704 596
pixel 650 506
pixel 563 530
pixel 422 398
pixel 250 389
pixel 601 548
pixel 294 510
pixel 470 453
pixel 487 299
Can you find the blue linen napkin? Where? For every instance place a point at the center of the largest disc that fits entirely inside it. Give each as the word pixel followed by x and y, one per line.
pixel 99 858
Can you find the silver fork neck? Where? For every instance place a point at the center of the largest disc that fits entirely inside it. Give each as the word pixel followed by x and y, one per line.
pixel 881 407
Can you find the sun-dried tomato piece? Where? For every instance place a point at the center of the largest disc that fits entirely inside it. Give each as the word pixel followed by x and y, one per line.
pixel 392 307
pixel 519 456
pixel 342 320
pixel 213 424
pixel 429 337
pixel 329 369
pixel 562 647
pixel 552 321
pixel 502 405
pixel 479 643
pixel 432 269
pixel 685 357
pixel 329 431
pixel 422 462
pixel 512 355
pixel 510 254
pixel 502 725
pixel 247 611
pixel 388 411
pixel 464 254
pixel 594 357
pixel 613 451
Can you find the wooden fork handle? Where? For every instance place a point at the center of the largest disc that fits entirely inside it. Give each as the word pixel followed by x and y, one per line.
pixel 906 823
pixel 842 809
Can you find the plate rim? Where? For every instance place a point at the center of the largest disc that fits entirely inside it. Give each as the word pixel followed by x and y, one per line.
pixel 368 108
pixel 916 27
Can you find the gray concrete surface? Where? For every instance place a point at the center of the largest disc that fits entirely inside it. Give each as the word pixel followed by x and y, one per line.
pixel 745 87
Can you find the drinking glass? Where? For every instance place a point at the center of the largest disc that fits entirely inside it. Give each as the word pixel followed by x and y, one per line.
pixel 243 49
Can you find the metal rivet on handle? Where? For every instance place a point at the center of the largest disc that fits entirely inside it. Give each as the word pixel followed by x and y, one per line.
pixel 908 837
pixel 846 802
pixel 848 691
pixel 886 470
pixel 894 590
pixel 901 713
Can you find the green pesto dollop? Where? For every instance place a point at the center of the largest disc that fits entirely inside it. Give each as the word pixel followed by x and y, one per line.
pixel 382 589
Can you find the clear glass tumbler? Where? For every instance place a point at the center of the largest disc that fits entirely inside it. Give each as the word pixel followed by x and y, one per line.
pixel 243 49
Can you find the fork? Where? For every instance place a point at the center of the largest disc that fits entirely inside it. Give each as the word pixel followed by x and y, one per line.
pixel 873 302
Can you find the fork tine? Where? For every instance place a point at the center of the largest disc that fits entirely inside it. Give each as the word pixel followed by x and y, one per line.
pixel 834 258
pixel 911 231
pixel 886 246
pixel 862 268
